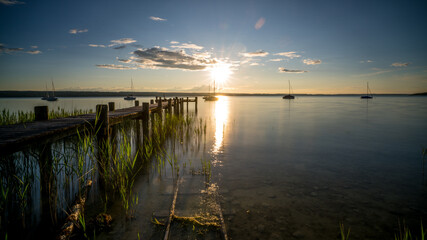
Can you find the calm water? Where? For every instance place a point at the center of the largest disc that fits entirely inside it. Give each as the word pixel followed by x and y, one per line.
pixel 286 169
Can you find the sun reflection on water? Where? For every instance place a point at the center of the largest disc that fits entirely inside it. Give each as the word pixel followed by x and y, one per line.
pixel 221 118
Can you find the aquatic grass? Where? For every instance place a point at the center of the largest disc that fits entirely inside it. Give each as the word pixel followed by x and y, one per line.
pixel 9 118
pixel 343 234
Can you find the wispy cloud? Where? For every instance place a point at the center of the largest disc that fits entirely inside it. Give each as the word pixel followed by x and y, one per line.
pixel 97 45
pixel 34 52
pixel 75 31
pixel 34 47
pixel 120 47
pixel 312 61
pixel 366 61
pixel 7 50
pixel 259 23
pixel 275 60
pixel 290 55
pixel 284 70
pixel 399 64
pixel 259 53
pixel 174 42
pixel 10 2
pixel 158 19
pixel 124 60
pixel 155 58
pixel 114 66
pixel 122 41
pixel 188 46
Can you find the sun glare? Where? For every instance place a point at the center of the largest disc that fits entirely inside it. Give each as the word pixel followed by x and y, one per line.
pixel 220 72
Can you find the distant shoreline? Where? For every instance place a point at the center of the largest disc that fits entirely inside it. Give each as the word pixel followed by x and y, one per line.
pixel 23 94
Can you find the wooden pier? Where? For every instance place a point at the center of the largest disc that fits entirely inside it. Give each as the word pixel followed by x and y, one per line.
pixel 17 136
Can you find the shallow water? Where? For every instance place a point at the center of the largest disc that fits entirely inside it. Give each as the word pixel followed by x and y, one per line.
pixel 286 169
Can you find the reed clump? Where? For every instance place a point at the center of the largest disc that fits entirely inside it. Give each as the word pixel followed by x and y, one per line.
pixel 9 118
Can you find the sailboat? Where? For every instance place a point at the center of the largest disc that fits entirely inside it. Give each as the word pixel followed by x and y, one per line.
pixel 289 96
pixel 368 93
pixel 52 98
pixel 211 97
pixel 46 95
pixel 130 96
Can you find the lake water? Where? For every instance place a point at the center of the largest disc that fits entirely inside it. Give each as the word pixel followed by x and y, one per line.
pixel 284 169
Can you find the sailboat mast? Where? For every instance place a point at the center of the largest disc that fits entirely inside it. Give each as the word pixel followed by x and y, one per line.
pixel 289 81
pixel 367 88
pixel 53 89
pixel 214 87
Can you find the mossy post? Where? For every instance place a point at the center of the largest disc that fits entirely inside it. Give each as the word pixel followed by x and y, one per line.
pixel 101 125
pixel 41 113
pixel 111 106
pixel 136 103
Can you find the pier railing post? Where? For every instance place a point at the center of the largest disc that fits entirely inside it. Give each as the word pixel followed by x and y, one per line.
pixel 41 113
pixel 111 106
pixel 151 101
pixel 136 103
pixel 102 120
pixel 170 106
pixel 182 105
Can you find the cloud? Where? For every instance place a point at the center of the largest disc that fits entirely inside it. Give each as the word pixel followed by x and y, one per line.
pixel 284 70
pixel 120 47
pixel 75 31
pixel 34 52
pixel 259 53
pixel 124 60
pixel 259 23
pixel 96 45
pixel 114 66
pixel 290 55
pixel 10 2
pixel 188 46
pixel 122 41
pixel 34 47
pixel 275 60
pixel 366 61
pixel 399 64
pixel 158 19
pixel 174 42
pixel 9 50
pixel 312 61
pixel 155 58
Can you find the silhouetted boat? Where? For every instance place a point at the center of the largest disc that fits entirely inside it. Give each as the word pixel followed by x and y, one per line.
pixel 46 95
pixel 368 93
pixel 130 96
pixel 289 96
pixel 52 98
pixel 211 97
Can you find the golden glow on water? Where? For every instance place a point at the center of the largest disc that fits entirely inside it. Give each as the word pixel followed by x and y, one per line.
pixel 221 119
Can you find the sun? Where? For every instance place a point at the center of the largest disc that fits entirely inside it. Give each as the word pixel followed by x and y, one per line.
pixel 221 72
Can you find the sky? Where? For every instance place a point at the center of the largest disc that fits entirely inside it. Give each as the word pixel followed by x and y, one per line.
pixel 321 47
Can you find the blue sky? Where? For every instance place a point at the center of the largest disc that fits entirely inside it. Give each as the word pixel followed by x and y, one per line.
pixel 321 46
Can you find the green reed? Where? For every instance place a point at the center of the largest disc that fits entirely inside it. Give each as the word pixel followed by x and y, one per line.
pixel 8 118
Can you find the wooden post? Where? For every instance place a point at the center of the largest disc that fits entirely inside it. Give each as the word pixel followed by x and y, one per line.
pixel 160 108
pixel 136 103
pixel 195 103
pixel 187 104
pixel 170 106
pixel 111 106
pixel 174 105
pixel 182 105
pixel 41 113
pixel 102 123
pixel 151 101
pixel 145 110
pixel 156 99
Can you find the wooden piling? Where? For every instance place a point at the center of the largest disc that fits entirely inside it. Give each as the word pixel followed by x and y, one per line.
pixel 102 123
pixel 151 101
pixel 136 103
pixel 160 108
pixel 170 106
pixel 41 113
pixel 145 110
pixel 187 104
pixel 182 105
pixel 111 106
pixel 195 104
